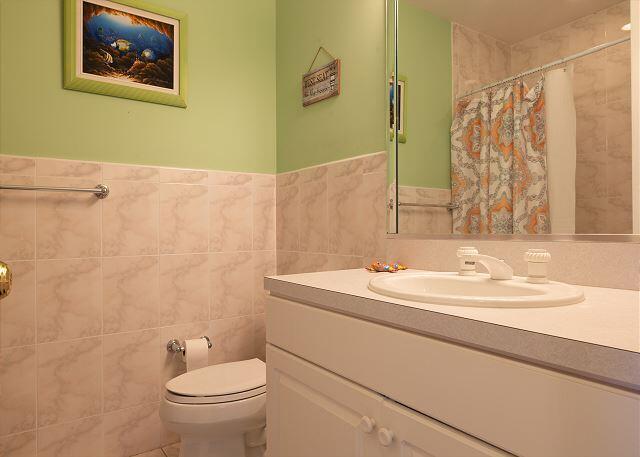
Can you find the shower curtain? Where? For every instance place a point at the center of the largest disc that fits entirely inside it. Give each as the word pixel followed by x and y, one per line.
pixel 498 162
pixel 560 112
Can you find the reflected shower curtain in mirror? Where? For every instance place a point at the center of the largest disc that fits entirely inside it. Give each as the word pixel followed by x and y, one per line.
pixel 498 162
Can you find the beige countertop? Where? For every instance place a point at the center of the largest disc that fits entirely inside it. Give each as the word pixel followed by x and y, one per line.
pixel 597 339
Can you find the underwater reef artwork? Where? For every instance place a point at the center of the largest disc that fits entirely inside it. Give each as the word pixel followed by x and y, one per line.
pixel 126 47
pixel 131 49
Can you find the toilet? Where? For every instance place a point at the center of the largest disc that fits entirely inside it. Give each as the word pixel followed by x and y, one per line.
pixel 219 410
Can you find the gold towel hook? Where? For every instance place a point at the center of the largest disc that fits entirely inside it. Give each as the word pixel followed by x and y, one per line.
pixel 5 280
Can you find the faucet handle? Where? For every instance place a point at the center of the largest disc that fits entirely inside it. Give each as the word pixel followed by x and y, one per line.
pixel 467 266
pixel 466 250
pixel 537 260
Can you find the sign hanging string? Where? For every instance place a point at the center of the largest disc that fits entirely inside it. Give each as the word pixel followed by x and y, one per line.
pixel 321 48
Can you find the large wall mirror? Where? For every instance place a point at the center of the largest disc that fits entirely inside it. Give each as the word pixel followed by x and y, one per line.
pixel 509 118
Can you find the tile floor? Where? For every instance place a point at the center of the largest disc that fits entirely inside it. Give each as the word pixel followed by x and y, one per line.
pixel 172 450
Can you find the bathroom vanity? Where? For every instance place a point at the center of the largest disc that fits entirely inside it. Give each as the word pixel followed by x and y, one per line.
pixel 354 373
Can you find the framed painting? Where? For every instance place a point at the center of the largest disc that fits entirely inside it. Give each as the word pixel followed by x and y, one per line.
pixel 126 48
pixel 401 111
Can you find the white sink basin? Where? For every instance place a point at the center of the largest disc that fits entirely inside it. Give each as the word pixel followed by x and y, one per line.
pixel 478 290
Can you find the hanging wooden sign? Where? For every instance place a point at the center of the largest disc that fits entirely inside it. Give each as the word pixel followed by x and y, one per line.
pixel 321 83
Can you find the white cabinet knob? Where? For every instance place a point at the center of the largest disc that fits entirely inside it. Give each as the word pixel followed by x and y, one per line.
pixel 367 424
pixel 385 436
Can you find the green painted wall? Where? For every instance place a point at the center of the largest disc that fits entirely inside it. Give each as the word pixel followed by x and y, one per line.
pixel 229 123
pixel 352 123
pixel 424 57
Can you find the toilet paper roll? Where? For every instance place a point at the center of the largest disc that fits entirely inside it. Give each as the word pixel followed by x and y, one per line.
pixel 196 353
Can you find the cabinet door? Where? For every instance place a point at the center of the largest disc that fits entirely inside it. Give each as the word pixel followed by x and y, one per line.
pixel 314 413
pixel 416 435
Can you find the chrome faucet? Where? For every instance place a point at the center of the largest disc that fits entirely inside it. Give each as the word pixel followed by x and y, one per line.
pixel 469 257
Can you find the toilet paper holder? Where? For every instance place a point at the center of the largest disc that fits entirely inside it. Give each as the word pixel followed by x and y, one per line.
pixel 175 346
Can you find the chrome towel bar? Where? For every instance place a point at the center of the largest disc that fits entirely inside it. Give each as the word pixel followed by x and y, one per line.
pixel 431 205
pixel 449 206
pixel 100 191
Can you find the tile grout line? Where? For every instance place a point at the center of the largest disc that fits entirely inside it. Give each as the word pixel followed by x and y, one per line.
pixel 210 195
pixel 35 304
pixel 102 430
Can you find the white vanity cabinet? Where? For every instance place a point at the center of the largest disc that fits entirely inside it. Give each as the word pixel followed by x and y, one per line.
pixel 315 413
pixel 416 435
pixel 343 386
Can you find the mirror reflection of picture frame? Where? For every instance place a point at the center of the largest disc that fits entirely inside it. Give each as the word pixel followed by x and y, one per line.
pixel 125 48
pixel 402 109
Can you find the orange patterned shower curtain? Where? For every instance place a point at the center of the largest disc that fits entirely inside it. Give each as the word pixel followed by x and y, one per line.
pixel 498 162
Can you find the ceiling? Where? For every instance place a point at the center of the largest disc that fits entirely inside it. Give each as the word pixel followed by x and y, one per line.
pixel 513 20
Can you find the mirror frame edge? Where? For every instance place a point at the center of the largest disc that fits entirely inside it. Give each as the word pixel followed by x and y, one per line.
pixel 604 238
pixel 391 39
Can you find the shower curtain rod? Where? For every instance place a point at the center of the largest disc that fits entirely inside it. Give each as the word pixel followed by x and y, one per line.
pixel 547 66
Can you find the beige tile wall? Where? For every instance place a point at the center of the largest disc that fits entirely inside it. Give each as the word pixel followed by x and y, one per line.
pixel 477 59
pixel 102 285
pixel 613 265
pixel 602 85
pixel 332 216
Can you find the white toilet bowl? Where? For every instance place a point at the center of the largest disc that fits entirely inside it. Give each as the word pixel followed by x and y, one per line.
pixel 219 410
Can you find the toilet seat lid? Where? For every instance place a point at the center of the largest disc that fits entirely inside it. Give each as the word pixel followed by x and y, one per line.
pixel 220 380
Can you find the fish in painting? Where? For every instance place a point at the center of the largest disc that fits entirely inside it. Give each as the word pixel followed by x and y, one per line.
pixel 122 45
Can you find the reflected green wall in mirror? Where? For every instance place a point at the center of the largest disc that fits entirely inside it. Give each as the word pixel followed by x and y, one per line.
pixel 424 54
